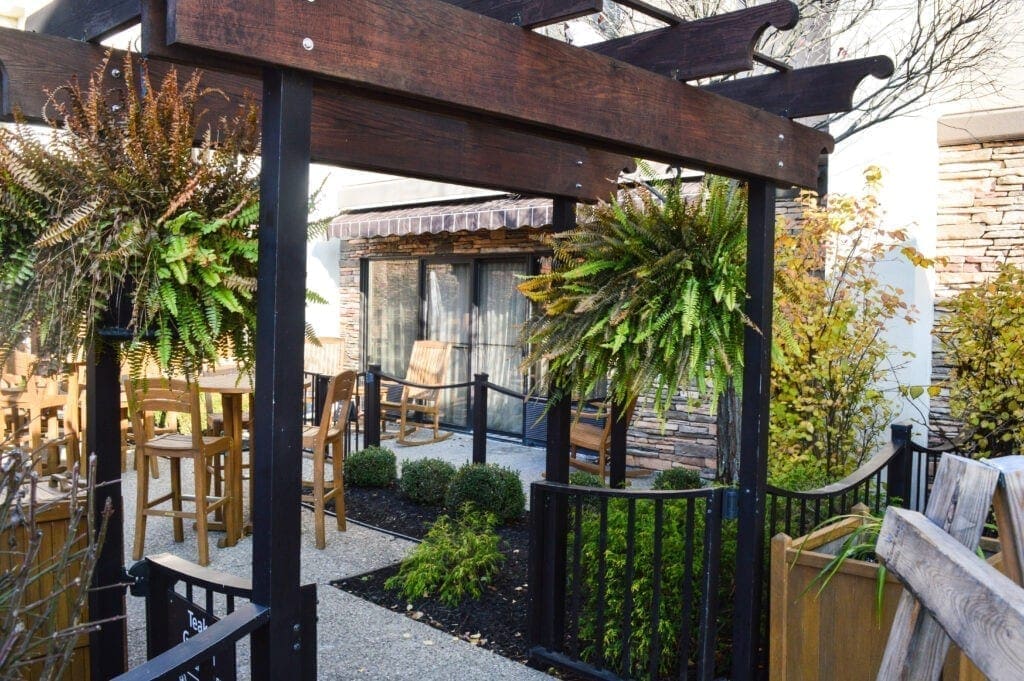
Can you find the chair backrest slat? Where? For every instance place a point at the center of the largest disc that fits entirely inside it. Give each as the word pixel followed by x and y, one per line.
pixel 326 359
pixel 173 396
pixel 336 405
pixel 428 365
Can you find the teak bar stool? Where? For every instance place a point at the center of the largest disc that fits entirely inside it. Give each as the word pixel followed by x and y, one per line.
pixel 175 396
pixel 331 431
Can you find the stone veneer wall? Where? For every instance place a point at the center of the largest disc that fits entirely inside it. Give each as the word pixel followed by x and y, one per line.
pixel 980 224
pixel 688 436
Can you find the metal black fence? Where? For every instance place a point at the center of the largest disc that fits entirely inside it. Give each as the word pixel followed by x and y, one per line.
pixel 625 584
pixel 478 410
pixel 195 618
pixel 900 474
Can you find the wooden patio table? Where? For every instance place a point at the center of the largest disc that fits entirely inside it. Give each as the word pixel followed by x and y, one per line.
pixel 232 388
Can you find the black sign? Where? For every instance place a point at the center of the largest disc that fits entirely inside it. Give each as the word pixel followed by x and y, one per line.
pixel 186 619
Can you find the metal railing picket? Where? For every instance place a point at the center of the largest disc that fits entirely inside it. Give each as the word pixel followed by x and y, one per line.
pixel 616 540
pixel 188 638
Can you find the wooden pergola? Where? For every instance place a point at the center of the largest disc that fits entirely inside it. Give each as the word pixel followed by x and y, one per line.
pixel 459 91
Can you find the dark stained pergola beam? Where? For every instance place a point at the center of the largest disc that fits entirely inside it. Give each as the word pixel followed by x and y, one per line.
pixel 441 55
pixel 351 129
pixel 696 49
pixel 90 20
pixel 813 91
pixel 530 13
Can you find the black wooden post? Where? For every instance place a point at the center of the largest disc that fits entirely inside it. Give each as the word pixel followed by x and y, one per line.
pixel 553 531
pixel 279 647
pixel 753 472
pixel 900 470
pixel 109 644
pixel 319 385
pixel 617 446
pixel 549 599
pixel 371 418
pixel 479 418
pixel 556 464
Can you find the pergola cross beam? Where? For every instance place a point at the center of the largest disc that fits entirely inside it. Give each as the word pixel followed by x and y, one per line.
pixel 350 128
pixel 440 55
pixel 88 20
pixel 530 13
pixel 720 44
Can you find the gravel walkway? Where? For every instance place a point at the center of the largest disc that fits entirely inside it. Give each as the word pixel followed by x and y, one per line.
pixel 356 639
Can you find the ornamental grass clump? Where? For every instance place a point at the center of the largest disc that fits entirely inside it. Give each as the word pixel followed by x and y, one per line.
pixel 144 205
pixel 647 293
pixel 680 587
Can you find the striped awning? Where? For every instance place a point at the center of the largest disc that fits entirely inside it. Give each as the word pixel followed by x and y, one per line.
pixel 508 213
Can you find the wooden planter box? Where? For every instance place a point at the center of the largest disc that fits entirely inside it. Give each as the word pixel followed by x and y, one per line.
pixel 54 523
pixel 836 635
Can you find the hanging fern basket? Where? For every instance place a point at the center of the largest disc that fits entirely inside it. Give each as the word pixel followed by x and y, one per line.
pixel 647 294
pixel 133 223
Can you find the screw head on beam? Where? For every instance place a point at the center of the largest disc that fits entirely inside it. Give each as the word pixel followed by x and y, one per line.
pixel 307 44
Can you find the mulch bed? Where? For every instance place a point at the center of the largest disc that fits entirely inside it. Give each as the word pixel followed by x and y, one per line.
pixel 497 621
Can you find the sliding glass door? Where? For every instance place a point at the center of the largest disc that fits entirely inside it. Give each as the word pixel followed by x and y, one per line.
pixel 502 310
pixel 472 304
pixel 449 314
pixel 392 313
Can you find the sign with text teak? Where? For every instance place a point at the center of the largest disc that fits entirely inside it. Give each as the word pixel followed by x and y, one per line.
pixel 185 620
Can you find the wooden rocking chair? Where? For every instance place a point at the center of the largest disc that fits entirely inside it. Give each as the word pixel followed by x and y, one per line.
pixel 428 366
pixel 596 438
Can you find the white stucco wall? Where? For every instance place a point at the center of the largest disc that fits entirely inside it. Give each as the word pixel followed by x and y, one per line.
pixel 906 149
pixel 322 257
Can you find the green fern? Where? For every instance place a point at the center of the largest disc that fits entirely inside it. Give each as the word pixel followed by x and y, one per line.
pixel 646 294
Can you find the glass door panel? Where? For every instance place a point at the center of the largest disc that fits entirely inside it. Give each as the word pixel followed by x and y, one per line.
pixel 392 313
pixel 448 319
pixel 497 351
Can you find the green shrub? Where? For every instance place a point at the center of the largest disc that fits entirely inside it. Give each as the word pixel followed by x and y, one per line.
pixel 983 339
pixel 678 478
pixel 831 351
pixel 371 467
pixel 456 559
pixel 491 488
pixel 425 481
pixel 585 479
pixel 676 581
pixel 799 473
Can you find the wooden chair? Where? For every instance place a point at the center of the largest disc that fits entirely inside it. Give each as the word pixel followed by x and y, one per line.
pixel 428 366
pixel 320 363
pixel 596 438
pixel 70 435
pixel 175 396
pixel 330 431
pixel 326 359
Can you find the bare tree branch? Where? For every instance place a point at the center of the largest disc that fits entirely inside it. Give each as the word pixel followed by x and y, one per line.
pixel 943 49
